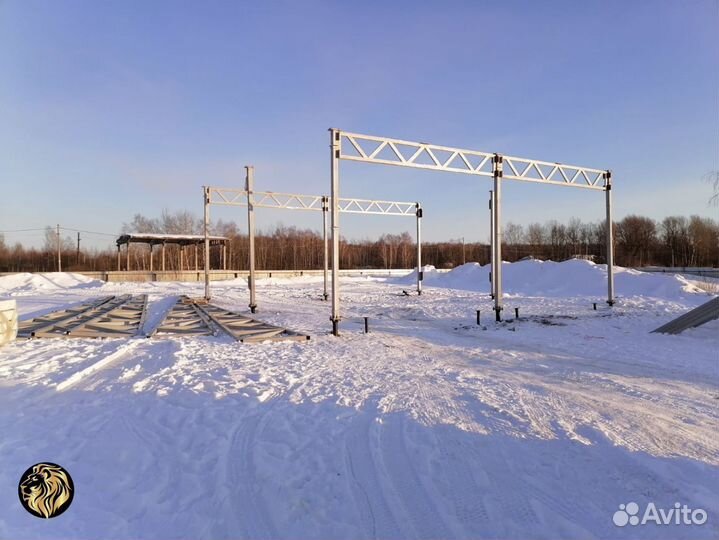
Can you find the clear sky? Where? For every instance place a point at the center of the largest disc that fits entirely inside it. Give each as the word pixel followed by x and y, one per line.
pixel 108 109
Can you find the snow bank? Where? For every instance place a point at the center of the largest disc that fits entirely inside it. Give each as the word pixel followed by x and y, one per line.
pixel 53 281
pixel 568 278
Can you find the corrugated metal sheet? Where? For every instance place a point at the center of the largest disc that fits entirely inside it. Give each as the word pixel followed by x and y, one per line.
pixel 696 317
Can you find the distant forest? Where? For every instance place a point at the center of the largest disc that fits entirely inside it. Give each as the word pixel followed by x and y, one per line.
pixel 639 241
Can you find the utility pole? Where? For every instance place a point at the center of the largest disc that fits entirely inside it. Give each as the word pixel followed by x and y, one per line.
pixel 59 260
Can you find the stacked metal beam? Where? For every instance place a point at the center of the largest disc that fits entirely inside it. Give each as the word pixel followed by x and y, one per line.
pixel 106 317
pixel 196 317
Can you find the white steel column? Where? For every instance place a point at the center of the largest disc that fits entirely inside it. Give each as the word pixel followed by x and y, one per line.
pixel 206 195
pixel 420 274
pixel 59 251
pixel 249 186
pixel 151 250
pixel 325 209
pixel 610 240
pixel 497 276
pixel 335 195
pixel 492 272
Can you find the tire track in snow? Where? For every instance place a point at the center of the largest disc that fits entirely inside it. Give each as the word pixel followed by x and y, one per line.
pixel 242 488
pixel 83 376
pixel 425 519
pixel 375 514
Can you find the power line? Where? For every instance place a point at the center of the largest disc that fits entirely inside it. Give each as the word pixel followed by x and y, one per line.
pixel 89 232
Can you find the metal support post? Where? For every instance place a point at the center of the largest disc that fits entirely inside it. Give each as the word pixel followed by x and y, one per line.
pixel 196 265
pixel 163 255
pixel 325 239
pixel 224 255
pixel 249 186
pixel 182 257
pixel 497 276
pixel 118 257
pixel 206 229
pixel 610 239
pixel 151 250
pixel 127 256
pixel 59 250
pixel 335 195
pixel 491 244
pixel 420 274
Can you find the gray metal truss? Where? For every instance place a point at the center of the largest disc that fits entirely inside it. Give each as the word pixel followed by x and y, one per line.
pixel 191 317
pixel 387 151
pixel 295 201
pixel 349 146
pixel 107 317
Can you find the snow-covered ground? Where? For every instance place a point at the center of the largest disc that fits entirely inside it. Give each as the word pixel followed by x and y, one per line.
pixel 427 427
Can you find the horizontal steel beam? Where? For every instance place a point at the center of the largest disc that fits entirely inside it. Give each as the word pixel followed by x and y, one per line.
pixel 294 201
pixel 388 151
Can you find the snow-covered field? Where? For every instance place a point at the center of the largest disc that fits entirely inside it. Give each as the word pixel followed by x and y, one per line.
pixel 427 427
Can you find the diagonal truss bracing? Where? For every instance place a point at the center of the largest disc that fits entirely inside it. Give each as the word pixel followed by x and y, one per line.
pixel 386 151
pixel 349 146
pixel 293 201
pixel 193 318
pixel 252 199
pixel 107 317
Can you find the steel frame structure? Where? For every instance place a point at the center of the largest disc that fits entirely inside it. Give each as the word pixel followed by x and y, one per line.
pixel 106 317
pixel 192 317
pixel 294 201
pixel 398 152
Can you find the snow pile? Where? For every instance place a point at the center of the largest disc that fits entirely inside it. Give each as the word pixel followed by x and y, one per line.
pixel 54 281
pixel 568 278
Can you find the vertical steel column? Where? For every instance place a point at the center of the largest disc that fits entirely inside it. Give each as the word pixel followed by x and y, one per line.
pixel 206 231
pixel 325 209
pixel 182 257
pixel 610 239
pixel 497 276
pixel 335 140
pixel 249 186
pixel 224 255
pixel 151 252
pixel 59 250
pixel 420 274
pixel 163 255
pixel 118 257
pixel 127 255
pixel 492 271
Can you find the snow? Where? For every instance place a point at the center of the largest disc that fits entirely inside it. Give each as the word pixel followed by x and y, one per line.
pixel 427 427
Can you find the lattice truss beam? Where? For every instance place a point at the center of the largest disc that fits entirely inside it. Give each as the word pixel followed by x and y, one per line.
pixel 386 151
pixel 292 201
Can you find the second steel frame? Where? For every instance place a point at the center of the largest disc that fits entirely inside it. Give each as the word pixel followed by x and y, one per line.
pixel 293 201
pixel 387 151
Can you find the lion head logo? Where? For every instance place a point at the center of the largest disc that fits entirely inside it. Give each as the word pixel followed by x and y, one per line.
pixel 46 490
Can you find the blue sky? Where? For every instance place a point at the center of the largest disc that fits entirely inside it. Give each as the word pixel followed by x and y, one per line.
pixel 108 109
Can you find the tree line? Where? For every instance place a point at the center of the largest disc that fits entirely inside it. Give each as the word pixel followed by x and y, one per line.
pixel 639 241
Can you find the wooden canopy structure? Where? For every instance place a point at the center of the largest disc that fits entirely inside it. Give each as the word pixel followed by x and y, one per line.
pixel 182 240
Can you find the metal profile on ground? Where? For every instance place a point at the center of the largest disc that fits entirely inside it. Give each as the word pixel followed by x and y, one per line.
pixel 245 329
pixel 696 317
pixel 197 317
pixel 107 317
pixel 26 329
pixel 185 319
